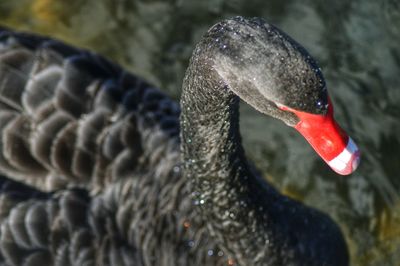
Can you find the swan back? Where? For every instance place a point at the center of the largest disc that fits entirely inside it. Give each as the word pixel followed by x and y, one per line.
pixel 69 116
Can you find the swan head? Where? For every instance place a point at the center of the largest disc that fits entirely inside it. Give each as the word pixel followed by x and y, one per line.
pixel 277 76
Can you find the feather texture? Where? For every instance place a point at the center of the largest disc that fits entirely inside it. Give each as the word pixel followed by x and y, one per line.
pixel 69 118
pixel 92 168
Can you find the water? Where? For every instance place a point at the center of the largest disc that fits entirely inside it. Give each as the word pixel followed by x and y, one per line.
pixel 357 45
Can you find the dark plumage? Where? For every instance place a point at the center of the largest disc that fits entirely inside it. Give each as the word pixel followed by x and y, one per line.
pixel 93 161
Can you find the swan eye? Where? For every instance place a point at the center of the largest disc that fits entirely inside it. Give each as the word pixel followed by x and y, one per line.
pixel 320 105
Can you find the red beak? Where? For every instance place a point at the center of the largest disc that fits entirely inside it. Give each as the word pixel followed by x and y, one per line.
pixel 334 146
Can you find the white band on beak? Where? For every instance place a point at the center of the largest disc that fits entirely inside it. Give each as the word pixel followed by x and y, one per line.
pixel 348 160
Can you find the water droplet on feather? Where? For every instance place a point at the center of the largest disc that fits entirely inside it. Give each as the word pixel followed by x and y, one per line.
pixel 191 243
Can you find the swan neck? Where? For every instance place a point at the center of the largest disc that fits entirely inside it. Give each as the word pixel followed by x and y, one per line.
pixel 222 185
pixel 209 125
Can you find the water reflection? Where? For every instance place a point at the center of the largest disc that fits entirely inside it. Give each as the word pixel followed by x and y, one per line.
pixel 356 43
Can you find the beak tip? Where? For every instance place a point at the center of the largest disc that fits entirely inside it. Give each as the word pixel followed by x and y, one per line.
pixel 348 160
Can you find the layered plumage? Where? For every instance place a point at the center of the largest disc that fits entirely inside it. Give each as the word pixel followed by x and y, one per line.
pixel 93 173
pixel 71 119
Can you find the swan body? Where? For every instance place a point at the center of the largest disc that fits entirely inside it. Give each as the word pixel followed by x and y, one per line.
pixel 101 168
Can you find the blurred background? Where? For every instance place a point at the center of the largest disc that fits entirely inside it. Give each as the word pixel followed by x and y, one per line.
pixel 357 45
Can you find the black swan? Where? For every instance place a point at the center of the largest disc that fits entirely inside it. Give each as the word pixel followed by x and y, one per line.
pixel 95 173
